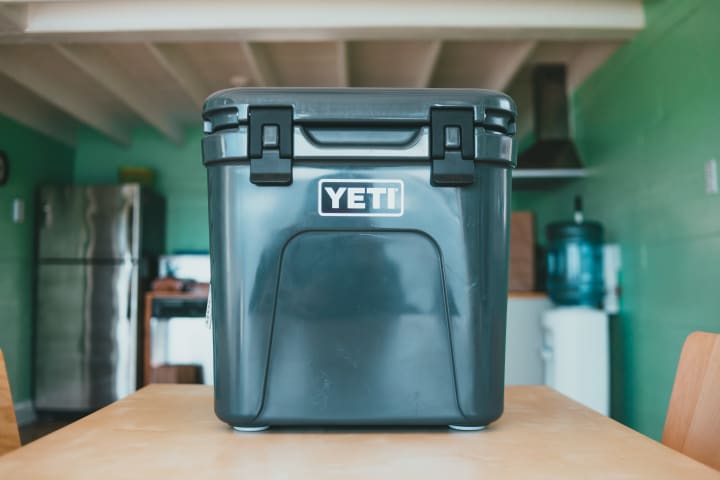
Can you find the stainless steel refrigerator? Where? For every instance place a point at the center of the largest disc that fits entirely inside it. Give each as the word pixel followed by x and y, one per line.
pixel 95 246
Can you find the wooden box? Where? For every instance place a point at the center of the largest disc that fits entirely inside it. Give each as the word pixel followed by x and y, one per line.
pixel 522 252
pixel 177 374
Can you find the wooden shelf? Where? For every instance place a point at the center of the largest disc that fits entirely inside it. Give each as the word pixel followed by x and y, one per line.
pixel 149 298
pixel 545 178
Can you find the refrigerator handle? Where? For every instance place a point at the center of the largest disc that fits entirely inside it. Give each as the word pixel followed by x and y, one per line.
pixel 131 294
pixel 130 220
pixel 46 217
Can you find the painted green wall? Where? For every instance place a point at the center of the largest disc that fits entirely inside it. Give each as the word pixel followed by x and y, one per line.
pixel 179 176
pixel 645 125
pixel 34 159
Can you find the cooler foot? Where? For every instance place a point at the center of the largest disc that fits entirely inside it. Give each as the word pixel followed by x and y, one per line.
pixel 258 428
pixel 467 428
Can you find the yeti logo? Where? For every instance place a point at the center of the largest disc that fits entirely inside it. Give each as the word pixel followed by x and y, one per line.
pixel 360 198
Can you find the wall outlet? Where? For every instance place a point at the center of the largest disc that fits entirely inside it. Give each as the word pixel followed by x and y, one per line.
pixel 18 210
pixel 711 177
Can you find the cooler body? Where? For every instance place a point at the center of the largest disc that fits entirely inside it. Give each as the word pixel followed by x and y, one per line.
pixel 369 287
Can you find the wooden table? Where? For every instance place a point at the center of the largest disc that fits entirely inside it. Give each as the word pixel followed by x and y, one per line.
pixel 170 431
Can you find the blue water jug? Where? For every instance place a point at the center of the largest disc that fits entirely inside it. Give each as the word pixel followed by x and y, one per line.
pixel 574 261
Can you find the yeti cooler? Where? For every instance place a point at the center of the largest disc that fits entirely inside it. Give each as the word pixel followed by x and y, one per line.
pixel 359 255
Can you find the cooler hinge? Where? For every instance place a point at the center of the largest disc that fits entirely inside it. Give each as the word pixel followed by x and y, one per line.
pixel 270 145
pixel 452 146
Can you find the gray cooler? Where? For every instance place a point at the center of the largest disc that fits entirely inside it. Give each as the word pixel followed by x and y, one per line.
pixel 359 255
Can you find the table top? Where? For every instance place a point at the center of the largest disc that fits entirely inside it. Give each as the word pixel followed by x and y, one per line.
pixel 170 431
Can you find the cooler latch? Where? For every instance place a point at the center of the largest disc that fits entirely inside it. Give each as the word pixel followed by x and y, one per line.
pixel 271 145
pixel 452 146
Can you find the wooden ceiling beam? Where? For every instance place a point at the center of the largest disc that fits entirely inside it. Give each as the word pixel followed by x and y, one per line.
pixel 39 80
pixel 112 77
pixel 427 68
pixel 343 64
pixel 13 18
pixel 261 69
pixel 26 108
pixel 506 71
pixel 171 59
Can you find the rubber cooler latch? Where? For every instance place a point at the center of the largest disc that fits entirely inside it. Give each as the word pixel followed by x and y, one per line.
pixel 452 146
pixel 270 145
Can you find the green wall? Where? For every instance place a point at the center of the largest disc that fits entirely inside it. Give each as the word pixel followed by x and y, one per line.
pixel 34 159
pixel 645 125
pixel 179 176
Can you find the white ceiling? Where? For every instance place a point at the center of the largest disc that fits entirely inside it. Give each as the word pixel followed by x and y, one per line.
pixel 114 65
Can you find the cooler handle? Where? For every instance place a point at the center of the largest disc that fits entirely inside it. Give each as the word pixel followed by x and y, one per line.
pixel 339 143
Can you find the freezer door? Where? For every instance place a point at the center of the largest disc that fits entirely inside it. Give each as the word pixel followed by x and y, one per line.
pixel 89 223
pixel 86 337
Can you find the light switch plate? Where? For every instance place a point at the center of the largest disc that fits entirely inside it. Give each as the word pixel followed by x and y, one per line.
pixel 18 210
pixel 711 177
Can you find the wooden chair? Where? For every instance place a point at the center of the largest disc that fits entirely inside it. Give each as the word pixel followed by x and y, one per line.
pixel 9 435
pixel 692 425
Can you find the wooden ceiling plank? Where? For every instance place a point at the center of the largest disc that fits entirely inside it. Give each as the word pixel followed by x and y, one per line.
pixel 111 76
pixel 27 109
pixel 427 68
pixel 180 69
pixel 261 70
pixel 13 18
pixel 40 81
pixel 343 64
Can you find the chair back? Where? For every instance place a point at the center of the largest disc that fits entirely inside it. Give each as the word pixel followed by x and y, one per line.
pixel 9 435
pixel 692 425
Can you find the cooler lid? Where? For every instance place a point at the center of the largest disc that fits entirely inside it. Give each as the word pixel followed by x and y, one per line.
pixel 361 105
pixel 450 127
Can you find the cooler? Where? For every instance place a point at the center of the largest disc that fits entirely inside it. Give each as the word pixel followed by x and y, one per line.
pixel 359 255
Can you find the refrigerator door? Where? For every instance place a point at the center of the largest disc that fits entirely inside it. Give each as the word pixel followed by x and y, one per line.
pixel 86 335
pixel 89 223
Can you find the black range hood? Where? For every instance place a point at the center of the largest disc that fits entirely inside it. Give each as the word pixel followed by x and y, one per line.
pixel 553 147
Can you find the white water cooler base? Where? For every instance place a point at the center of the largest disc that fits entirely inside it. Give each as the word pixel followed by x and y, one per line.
pixel 577 355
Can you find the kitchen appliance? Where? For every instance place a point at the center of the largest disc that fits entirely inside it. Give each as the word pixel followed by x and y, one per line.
pixel 576 354
pixel 524 340
pixel 553 148
pixel 94 251
pixel 359 255
pixel 185 266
